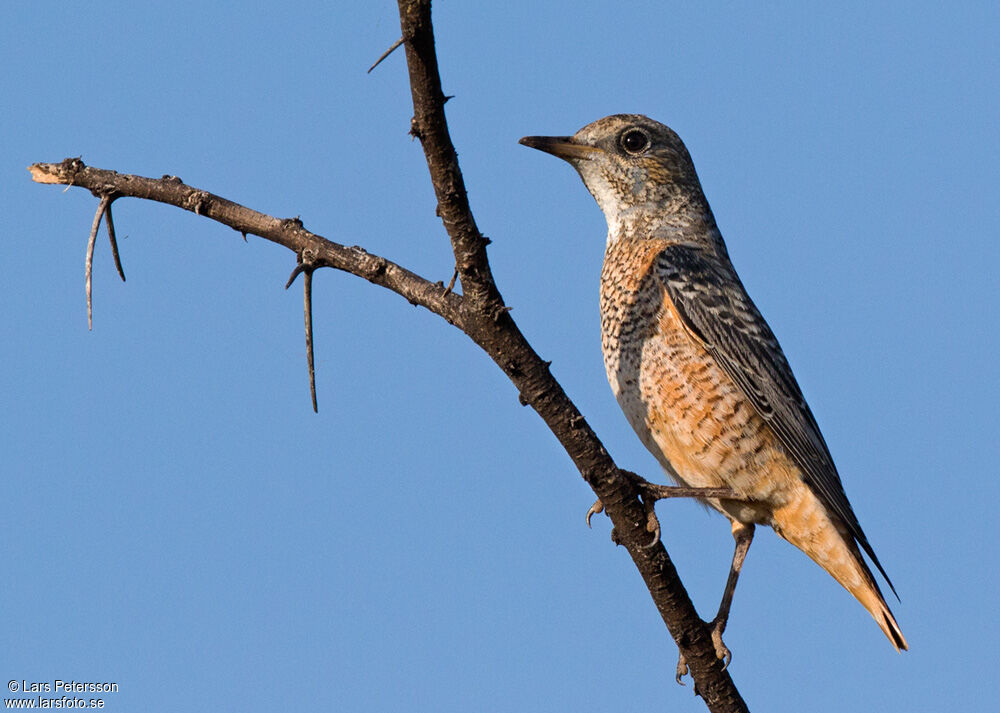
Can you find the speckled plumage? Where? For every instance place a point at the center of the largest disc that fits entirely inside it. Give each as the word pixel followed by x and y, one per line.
pixel 694 366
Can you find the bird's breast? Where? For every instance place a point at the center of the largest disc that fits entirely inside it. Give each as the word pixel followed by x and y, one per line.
pixel 686 410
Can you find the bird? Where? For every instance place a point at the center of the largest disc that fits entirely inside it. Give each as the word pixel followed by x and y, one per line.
pixel 697 370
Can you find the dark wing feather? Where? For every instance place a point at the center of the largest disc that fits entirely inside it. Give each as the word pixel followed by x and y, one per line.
pixel 716 308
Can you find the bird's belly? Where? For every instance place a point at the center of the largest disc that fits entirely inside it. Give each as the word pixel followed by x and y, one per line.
pixel 698 424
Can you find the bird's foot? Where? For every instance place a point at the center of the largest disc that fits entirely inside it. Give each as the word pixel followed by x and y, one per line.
pixel 652 522
pixel 682 669
pixel 722 651
pixel 648 501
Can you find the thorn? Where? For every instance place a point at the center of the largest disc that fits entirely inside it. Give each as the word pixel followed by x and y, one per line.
pixel 244 234
pixel 110 223
pixel 89 265
pixel 299 269
pixel 307 284
pixel 306 266
pixel 393 48
pixel 451 282
pixel 446 97
pixel 500 312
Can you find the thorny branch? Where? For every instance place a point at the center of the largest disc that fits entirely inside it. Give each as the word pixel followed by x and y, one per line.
pixel 288 232
pixel 479 312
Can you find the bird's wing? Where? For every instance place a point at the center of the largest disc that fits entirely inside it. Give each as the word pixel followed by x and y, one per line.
pixel 717 310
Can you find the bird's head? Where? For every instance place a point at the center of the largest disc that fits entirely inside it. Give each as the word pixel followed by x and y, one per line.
pixel 638 171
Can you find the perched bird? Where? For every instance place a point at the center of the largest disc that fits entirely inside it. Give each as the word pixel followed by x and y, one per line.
pixel 697 370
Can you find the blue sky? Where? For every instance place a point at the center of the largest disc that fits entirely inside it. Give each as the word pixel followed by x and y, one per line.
pixel 177 519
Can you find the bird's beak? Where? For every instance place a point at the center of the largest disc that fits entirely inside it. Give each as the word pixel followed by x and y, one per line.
pixel 565 147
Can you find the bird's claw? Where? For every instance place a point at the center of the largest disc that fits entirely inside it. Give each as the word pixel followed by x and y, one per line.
pixel 595 509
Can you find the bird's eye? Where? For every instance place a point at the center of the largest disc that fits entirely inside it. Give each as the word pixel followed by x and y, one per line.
pixel 635 141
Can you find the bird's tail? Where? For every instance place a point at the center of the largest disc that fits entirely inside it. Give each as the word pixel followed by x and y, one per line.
pixel 806 524
pixel 861 583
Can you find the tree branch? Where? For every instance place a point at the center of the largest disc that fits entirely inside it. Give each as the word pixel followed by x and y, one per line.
pixel 289 232
pixel 499 336
pixel 479 312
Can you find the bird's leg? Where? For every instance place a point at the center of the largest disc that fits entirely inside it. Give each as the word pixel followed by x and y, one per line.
pixel 651 492
pixel 743 534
